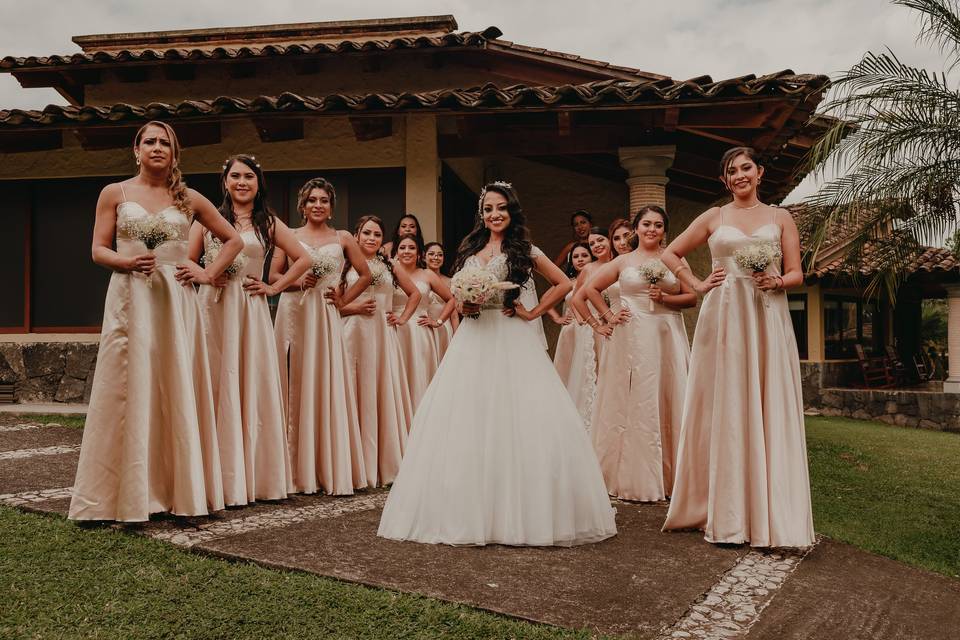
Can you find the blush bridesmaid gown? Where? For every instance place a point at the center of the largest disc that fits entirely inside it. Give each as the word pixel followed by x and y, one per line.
pixel 150 440
pixel 417 344
pixel 576 362
pixel 443 334
pixel 383 396
pixel 742 463
pixel 640 389
pixel 244 368
pixel 322 427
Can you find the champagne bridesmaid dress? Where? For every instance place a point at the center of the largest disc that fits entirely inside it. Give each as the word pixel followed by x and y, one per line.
pixel 245 372
pixel 322 427
pixel 443 334
pixel 377 372
pixel 417 344
pixel 742 468
pixel 150 441
pixel 640 389
pixel 576 362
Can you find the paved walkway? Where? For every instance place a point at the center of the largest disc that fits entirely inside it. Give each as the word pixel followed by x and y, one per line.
pixel 48 408
pixel 642 582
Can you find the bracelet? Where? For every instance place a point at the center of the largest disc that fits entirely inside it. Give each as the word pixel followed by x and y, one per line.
pixel 604 315
pixel 439 323
pixel 593 322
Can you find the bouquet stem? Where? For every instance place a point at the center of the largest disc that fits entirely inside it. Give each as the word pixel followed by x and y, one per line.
pixel 150 275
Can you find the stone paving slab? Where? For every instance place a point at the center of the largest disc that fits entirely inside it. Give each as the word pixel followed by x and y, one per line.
pixel 39 472
pixel 40 436
pixel 841 592
pixel 641 581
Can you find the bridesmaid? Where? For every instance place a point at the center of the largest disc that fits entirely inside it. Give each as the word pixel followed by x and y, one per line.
pixel 376 363
pixel 581 222
pixel 599 246
pixel 406 226
pixel 742 469
pixel 434 256
pixel 622 237
pixel 575 358
pixel 150 441
pixel 322 426
pixel 417 342
pixel 643 370
pixel 241 348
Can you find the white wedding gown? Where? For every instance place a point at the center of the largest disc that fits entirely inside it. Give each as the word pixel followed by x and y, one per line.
pixel 497 452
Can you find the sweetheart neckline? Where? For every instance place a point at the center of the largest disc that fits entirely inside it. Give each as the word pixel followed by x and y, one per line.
pixel 147 211
pixel 744 234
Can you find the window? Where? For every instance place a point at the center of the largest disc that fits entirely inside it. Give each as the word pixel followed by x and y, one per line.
pixel 848 321
pixel 797 303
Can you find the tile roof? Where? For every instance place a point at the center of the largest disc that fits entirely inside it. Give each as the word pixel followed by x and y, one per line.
pixel 488 97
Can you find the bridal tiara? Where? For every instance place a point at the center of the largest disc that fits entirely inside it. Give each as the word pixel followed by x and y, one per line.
pixel 496 183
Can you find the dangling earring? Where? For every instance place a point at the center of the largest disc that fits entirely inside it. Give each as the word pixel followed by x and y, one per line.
pixel 138 159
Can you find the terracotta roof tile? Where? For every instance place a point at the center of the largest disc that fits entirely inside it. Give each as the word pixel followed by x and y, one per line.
pixel 486 97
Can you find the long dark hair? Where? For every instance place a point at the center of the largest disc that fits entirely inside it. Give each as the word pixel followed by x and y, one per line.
pixel 516 241
pixel 730 155
pixel 427 247
pixel 420 250
pixel 395 238
pixel 644 210
pixel 317 183
pixel 263 218
pixel 378 256
pixel 568 268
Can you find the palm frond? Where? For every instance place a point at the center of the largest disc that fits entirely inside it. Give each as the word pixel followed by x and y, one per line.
pixel 940 25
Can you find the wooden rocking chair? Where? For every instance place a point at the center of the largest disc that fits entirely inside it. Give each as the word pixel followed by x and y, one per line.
pixel 876 371
pixel 896 364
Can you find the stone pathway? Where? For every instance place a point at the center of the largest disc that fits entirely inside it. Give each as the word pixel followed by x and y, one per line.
pixel 642 582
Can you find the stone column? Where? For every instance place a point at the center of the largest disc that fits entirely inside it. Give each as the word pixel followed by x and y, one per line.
pixel 422 169
pixel 952 383
pixel 647 171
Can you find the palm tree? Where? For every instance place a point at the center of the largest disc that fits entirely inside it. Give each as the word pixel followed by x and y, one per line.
pixel 896 149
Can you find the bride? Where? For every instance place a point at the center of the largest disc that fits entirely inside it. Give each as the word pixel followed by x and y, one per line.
pixel 497 451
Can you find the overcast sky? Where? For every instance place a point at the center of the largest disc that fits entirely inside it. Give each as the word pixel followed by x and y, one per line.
pixel 680 38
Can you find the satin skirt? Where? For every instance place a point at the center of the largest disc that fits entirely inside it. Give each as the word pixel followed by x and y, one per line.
pixel 497 452
pixel 150 440
pixel 420 355
pixel 383 398
pixel 320 400
pixel 245 374
pixel 638 409
pixel 576 362
pixel 742 463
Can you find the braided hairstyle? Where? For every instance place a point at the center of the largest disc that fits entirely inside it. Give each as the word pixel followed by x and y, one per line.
pixel 175 184
pixel 516 241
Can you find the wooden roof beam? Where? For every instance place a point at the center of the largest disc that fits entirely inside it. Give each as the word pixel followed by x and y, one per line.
pixel 371 127
pixel 30 140
pixel 279 129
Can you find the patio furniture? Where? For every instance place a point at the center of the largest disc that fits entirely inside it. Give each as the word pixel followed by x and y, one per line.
pixel 896 364
pixel 877 373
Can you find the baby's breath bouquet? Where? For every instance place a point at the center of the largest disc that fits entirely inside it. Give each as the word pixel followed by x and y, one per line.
pixel 378 271
pixel 474 285
pixel 756 257
pixel 235 267
pixel 653 271
pixel 152 231
pixel 324 266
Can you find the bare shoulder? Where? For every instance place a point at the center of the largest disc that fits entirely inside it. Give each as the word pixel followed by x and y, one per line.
pixel 113 191
pixel 783 217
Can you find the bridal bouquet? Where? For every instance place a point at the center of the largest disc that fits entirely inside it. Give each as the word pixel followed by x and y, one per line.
pixel 475 285
pixel 653 271
pixel 756 257
pixel 324 266
pixel 235 267
pixel 152 231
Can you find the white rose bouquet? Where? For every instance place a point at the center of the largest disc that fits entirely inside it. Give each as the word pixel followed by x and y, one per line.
pixel 475 285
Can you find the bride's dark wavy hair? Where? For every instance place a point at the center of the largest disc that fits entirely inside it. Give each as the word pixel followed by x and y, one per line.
pixel 263 218
pixel 516 241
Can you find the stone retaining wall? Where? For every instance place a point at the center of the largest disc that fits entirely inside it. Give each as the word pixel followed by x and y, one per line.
pixel 48 371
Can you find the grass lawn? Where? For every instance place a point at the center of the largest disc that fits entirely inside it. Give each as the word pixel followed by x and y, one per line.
pixel 67 421
pixel 61 581
pixel 888 490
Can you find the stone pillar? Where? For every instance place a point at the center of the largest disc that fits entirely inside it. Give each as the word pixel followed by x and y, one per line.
pixel 422 170
pixel 952 383
pixel 647 171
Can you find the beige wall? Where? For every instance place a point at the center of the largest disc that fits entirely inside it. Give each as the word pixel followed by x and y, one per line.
pixel 328 143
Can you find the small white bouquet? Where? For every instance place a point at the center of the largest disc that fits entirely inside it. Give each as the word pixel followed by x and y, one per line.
pixel 653 271
pixel 210 256
pixel 378 271
pixel 756 257
pixel 475 285
pixel 324 266
pixel 151 230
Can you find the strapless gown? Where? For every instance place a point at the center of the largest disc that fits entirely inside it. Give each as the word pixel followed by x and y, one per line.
pixel 417 344
pixel 497 452
pixel 245 371
pixel 742 461
pixel 150 440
